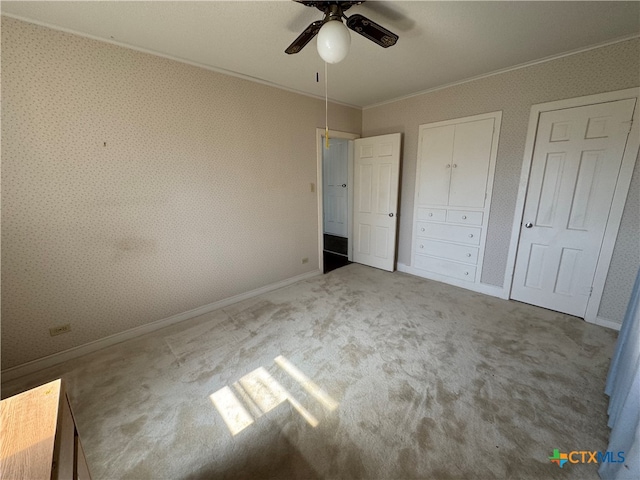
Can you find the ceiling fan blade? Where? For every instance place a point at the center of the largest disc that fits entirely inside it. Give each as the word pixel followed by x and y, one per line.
pixel 305 37
pixel 371 30
pixel 391 12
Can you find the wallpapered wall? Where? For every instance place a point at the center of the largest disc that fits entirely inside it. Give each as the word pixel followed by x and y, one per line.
pixel 135 187
pixel 626 255
pixel 605 69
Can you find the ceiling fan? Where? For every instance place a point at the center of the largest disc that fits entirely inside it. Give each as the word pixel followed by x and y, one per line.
pixel 333 36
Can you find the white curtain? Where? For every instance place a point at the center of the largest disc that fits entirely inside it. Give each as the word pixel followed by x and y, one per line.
pixel 623 386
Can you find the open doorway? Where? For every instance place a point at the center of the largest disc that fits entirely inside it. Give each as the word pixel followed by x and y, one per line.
pixel 371 196
pixel 335 200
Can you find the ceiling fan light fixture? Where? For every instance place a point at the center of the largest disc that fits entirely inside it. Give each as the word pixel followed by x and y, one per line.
pixel 334 41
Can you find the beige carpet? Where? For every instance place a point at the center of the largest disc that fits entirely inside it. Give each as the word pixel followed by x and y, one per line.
pixel 359 373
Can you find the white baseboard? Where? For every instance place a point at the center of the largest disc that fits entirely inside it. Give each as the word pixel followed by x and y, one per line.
pixel 605 322
pixel 487 289
pixel 56 358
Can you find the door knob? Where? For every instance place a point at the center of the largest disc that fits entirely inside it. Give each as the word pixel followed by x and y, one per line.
pixel 391 214
pixel 528 225
pixel 344 185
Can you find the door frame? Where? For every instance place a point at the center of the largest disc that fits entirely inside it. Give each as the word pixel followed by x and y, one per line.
pixel 617 205
pixel 320 194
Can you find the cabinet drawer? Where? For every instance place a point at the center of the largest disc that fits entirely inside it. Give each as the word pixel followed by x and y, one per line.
pixel 450 251
pixel 463 216
pixel 432 214
pixel 446 267
pixel 453 233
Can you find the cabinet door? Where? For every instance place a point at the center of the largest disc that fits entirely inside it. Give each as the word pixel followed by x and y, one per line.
pixel 470 163
pixel 436 151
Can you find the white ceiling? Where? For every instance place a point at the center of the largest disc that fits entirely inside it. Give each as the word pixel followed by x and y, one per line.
pixel 440 42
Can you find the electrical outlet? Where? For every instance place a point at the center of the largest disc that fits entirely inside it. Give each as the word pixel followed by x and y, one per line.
pixel 60 330
pixel 305 260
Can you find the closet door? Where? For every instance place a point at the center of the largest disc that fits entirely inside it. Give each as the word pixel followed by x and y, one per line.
pixel 436 153
pixel 470 163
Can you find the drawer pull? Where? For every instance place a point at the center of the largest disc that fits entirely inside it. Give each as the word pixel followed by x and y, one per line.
pixel 464 217
pixel 468 254
pixel 471 235
pixel 422 229
pixel 448 166
pixel 454 165
pixel 431 214
pixel 421 246
pixel 466 273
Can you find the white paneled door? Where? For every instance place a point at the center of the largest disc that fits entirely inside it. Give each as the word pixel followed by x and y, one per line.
pixel 577 157
pixel 376 174
pixel 335 179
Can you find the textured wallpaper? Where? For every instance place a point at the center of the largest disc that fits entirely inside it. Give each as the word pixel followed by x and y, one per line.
pixel 626 256
pixel 614 67
pixel 136 187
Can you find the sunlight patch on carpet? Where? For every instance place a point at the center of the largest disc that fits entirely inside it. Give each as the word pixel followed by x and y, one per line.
pixel 313 389
pixel 233 413
pixel 261 393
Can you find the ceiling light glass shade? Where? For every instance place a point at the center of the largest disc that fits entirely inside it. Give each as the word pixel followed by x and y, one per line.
pixel 333 41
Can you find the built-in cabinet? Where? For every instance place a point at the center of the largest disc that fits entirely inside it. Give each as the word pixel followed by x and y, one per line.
pixel 454 178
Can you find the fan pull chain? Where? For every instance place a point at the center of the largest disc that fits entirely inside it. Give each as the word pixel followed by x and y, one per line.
pixel 326 108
